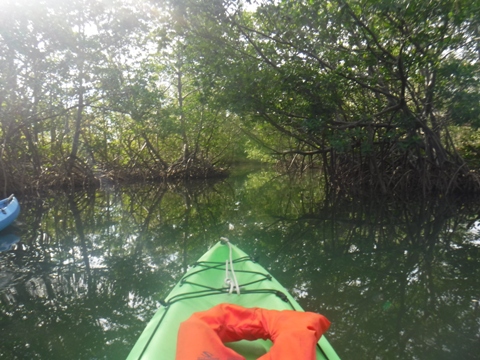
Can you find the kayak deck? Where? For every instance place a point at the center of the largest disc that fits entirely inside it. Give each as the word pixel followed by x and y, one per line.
pixel 202 287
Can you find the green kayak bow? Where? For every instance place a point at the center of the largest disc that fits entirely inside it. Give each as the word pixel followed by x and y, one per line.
pixel 224 274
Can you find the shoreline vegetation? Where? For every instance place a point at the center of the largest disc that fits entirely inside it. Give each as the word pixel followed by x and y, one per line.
pixel 380 98
pixel 83 177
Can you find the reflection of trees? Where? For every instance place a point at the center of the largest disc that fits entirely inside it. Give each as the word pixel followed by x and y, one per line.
pixel 88 274
pixel 397 279
pixel 394 278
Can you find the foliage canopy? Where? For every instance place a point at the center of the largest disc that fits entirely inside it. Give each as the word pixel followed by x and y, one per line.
pixel 366 90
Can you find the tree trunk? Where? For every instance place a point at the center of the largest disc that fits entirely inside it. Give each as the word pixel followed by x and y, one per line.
pixel 186 151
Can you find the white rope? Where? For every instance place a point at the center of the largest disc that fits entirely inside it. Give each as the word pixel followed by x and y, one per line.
pixel 230 281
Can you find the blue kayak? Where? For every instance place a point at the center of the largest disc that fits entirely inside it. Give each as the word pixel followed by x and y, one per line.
pixel 9 210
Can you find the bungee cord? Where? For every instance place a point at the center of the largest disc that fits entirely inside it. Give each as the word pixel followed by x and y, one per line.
pixel 232 282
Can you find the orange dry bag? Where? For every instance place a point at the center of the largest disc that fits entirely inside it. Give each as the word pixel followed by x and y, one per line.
pixel 294 334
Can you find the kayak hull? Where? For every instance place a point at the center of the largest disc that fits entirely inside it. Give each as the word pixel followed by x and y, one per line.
pixel 9 210
pixel 201 288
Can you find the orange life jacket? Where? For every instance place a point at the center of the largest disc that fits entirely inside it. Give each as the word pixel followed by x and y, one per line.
pixel 294 334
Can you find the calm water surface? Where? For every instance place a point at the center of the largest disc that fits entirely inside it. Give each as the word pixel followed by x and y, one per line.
pixel 397 280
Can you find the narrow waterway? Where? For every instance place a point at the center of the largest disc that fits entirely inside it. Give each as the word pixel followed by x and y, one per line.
pixel 87 271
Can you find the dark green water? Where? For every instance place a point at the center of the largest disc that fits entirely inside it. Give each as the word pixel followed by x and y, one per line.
pixel 397 280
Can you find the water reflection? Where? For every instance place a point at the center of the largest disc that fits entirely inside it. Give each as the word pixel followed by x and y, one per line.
pixel 8 240
pixel 398 280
